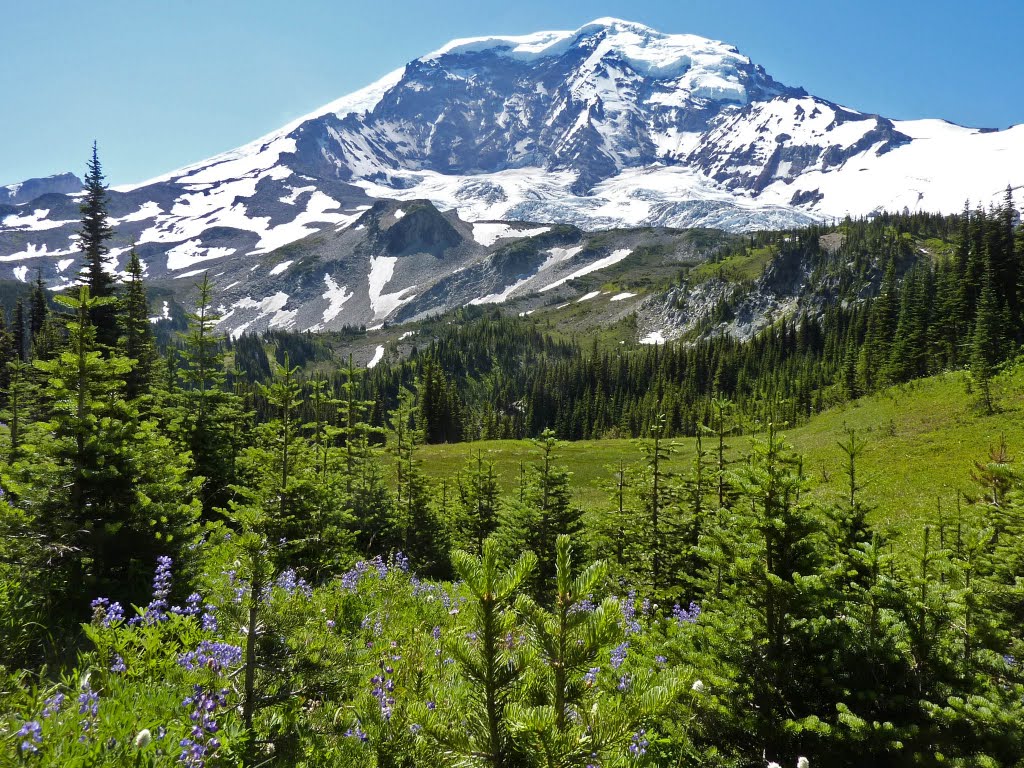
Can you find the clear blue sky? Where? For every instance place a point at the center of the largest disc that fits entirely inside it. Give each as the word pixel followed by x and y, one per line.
pixel 162 83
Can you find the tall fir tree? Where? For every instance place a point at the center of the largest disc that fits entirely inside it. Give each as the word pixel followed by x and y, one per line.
pixel 136 332
pixel 94 237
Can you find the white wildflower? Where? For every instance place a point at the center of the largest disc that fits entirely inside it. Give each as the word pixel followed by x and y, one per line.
pixel 698 687
pixel 142 738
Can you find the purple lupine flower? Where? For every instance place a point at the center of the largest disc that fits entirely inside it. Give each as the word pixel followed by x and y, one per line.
pixel 53 705
pixel 436 633
pixel 211 655
pixel 629 613
pixel 88 705
pixel 660 660
pixel 625 683
pixel 157 609
pixel 202 741
pixel 106 613
pixel 118 666
pixel 638 745
pixel 586 605
pixel 618 654
pixel 431 706
pixel 591 677
pixel 88 702
pixel 401 562
pixel 209 619
pixel 291 583
pixel 31 734
pixel 356 732
pixel 193 605
pixel 415 728
pixel 330 623
pixel 686 616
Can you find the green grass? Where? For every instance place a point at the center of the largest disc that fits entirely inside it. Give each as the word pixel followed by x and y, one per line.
pixel 921 440
pixel 736 268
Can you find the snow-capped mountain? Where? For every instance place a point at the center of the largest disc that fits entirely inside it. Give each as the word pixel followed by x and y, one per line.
pixel 610 125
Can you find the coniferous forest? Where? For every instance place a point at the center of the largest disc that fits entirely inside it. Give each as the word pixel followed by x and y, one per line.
pixel 221 552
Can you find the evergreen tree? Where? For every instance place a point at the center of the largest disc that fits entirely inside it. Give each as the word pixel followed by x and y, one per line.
pixel 136 332
pixel 547 513
pixel 986 341
pixel 94 237
pixel 492 667
pixel 105 489
pixel 18 335
pixel 209 414
pixel 422 535
pixel 478 503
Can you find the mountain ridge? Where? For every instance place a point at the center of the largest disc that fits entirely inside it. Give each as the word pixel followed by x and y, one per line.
pixel 612 125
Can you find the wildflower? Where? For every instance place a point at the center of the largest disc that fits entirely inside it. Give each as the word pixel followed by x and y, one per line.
pixel 587 605
pixel 201 739
pixel 142 738
pixel 618 654
pixel 684 615
pixel 32 733
pixel 330 623
pixel 88 705
pixel 415 728
pixel 53 705
pixel 291 583
pixel 638 745
pixel 209 619
pixel 212 655
pixel 698 686
pixel 192 605
pixel 803 762
pixel 401 562
pixel 118 666
pixel 436 633
pixel 774 765
pixel 660 660
pixel 156 611
pixel 106 613
pixel 629 613
pixel 88 702
pixel 356 732
pixel 591 677
pixel 625 682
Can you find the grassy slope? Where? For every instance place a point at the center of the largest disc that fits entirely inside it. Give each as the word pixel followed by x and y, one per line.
pixel 921 440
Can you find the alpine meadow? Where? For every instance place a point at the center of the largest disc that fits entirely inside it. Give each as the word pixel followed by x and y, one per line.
pixel 576 399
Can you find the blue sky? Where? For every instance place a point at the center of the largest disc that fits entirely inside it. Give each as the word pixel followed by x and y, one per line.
pixel 163 83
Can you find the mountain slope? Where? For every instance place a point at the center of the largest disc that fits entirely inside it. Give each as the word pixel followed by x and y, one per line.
pixel 610 125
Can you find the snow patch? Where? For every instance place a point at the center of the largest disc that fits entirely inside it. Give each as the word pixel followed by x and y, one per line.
pixel 487 233
pixel 21 273
pixel 622 296
pixel 193 252
pixel 165 314
pixel 336 297
pixel 654 337
pixel 613 258
pixel 378 355
pixel 588 296
pixel 279 268
pixel 382 268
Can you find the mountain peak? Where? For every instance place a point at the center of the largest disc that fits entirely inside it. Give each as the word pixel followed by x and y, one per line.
pixel 649 52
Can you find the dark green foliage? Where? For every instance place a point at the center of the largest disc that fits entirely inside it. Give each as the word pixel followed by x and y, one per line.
pixel 136 333
pixel 545 513
pixel 93 239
